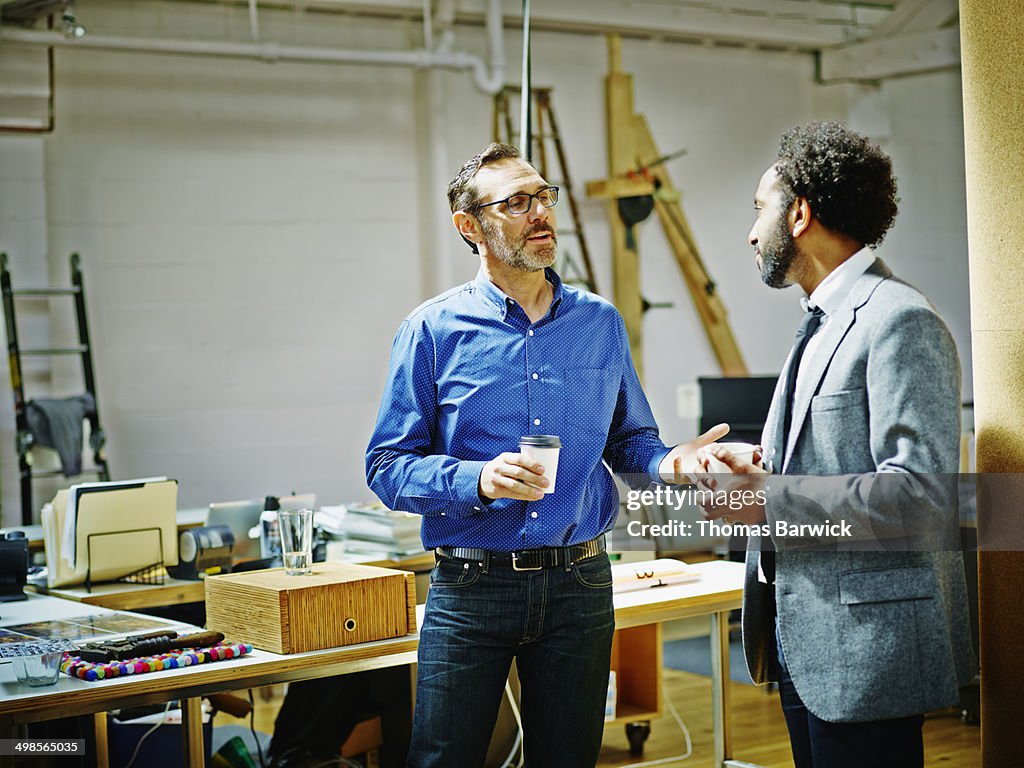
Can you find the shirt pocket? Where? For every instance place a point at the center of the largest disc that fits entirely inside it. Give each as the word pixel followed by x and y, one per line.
pixel 590 397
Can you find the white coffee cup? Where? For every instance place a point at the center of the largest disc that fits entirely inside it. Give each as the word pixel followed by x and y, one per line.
pixel 544 449
pixel 742 451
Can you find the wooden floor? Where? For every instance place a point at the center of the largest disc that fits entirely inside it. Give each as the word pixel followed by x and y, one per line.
pixel 759 732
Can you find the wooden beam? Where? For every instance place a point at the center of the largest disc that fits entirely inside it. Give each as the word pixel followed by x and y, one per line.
pixel 917 16
pixel 680 237
pixel 621 160
pixel 631 146
pixel 616 188
pixel 908 54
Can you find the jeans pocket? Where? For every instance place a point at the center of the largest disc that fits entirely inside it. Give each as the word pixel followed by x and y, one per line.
pixel 454 573
pixel 594 572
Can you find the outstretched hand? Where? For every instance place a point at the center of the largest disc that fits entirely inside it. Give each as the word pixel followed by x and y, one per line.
pixel 681 466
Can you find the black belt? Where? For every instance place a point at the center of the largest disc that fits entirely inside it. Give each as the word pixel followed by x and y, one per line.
pixel 529 559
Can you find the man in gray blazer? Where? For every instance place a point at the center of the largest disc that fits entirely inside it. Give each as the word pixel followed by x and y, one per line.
pixel 863 628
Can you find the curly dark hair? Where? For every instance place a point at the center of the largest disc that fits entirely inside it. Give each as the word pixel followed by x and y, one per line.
pixel 846 179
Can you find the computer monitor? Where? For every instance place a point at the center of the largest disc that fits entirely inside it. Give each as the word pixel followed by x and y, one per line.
pixel 239 516
pixel 742 403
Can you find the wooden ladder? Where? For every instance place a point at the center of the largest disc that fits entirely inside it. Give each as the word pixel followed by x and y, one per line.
pixel 575 269
pixel 636 169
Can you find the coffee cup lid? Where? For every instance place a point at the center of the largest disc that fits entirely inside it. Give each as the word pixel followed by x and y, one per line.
pixel 541 441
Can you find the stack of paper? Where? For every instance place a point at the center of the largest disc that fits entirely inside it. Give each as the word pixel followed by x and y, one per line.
pixel 378 531
pixel 650 573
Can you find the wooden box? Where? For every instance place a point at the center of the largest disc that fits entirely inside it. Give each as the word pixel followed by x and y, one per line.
pixel 335 605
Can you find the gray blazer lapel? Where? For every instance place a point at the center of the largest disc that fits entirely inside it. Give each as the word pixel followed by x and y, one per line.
pixel 832 336
pixel 772 433
pixel 814 369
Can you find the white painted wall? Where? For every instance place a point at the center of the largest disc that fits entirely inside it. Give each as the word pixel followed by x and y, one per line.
pixel 254 233
pixel 928 245
pixel 23 236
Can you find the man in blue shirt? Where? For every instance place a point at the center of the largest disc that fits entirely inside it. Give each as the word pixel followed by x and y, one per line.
pixel 520 573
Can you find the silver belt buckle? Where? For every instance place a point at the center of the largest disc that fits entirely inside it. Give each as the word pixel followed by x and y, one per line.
pixel 515 564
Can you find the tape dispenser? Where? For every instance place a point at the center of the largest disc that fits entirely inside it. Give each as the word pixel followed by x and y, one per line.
pixel 203 551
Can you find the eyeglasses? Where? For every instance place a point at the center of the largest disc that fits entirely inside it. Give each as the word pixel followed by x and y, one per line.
pixel 521 203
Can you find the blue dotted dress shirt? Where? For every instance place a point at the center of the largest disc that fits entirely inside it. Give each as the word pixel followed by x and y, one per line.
pixel 470 375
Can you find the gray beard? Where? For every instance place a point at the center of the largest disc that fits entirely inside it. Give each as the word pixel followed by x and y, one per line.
pixel 515 255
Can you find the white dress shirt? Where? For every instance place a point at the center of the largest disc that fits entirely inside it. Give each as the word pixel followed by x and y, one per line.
pixel 830 296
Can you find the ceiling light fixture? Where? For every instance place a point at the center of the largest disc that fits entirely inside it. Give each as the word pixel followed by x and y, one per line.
pixel 69 24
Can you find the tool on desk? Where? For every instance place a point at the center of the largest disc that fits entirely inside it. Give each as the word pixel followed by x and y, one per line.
pixel 135 646
pixel 203 550
pixel 173 659
pixel 13 566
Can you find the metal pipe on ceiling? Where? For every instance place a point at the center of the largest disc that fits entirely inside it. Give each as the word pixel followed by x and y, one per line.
pixel 487 80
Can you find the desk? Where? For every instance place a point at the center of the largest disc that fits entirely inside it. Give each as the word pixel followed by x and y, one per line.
pixel 70 696
pixel 131 597
pixel 718 591
pixel 135 597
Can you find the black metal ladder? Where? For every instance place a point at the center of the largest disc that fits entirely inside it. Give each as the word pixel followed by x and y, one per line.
pixel 24 439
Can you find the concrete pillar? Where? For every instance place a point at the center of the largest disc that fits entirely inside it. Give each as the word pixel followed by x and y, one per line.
pixel 991 33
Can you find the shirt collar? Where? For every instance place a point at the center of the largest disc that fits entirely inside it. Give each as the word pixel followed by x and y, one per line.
pixel 833 290
pixel 500 299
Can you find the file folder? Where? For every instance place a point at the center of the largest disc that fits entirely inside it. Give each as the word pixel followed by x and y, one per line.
pixel 109 530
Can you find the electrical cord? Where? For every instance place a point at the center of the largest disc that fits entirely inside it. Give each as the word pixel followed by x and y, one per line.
pixel 686 735
pixel 144 736
pixel 519 731
pixel 340 762
pixel 662 761
pixel 252 728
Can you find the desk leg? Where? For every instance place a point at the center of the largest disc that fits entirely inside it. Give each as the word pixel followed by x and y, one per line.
pixel 99 728
pixel 6 732
pixel 192 733
pixel 720 695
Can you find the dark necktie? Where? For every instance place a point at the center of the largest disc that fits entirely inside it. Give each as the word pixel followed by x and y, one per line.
pixel 810 323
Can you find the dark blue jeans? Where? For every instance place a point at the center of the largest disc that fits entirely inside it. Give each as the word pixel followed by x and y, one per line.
pixel 557 623
pixel 818 743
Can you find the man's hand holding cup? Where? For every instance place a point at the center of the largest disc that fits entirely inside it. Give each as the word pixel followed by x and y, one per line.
pixel 526 475
pixel 735 469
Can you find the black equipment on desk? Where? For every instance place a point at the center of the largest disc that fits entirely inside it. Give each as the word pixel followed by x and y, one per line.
pixel 13 566
pixel 204 550
pixel 136 646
